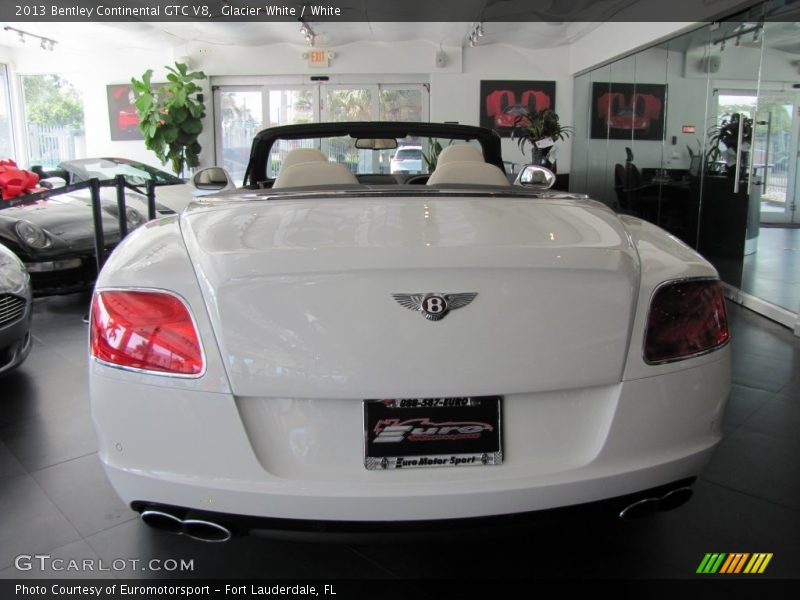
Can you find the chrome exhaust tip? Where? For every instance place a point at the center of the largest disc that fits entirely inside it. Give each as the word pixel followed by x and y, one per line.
pixel 206 531
pixel 675 498
pixel 162 521
pixel 640 509
pixel 649 506
pixel 197 529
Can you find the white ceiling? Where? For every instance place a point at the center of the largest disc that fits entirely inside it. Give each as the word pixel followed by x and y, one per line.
pixel 90 37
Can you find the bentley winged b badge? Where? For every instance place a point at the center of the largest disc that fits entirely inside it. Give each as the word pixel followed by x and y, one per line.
pixel 434 307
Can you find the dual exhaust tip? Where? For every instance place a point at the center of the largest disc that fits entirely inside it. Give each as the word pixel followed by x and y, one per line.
pixel 197 529
pixel 208 531
pixel 649 506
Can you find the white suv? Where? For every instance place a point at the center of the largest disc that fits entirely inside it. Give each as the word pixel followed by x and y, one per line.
pixel 407 159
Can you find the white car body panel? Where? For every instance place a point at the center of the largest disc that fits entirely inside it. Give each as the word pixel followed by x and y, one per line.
pixel 292 299
pixel 318 286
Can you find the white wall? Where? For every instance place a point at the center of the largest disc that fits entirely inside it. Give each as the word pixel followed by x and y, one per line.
pixel 456 96
pixel 91 73
pixel 359 58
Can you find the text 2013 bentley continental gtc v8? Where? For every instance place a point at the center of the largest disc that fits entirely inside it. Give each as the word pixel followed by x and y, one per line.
pixel 338 347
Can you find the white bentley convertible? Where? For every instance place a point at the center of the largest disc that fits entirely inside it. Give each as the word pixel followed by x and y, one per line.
pixel 336 347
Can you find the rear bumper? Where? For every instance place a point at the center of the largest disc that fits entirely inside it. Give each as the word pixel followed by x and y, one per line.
pixel 302 459
pixel 408 531
pixel 66 281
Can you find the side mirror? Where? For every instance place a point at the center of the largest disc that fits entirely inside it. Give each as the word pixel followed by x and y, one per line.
pixel 535 176
pixel 210 180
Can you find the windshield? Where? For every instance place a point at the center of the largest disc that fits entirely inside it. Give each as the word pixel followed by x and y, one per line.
pixel 414 155
pixel 135 173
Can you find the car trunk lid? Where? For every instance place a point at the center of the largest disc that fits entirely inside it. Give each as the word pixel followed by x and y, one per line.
pixel 301 294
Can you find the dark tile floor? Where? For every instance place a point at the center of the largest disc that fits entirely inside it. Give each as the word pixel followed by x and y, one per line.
pixel 54 498
pixel 773 271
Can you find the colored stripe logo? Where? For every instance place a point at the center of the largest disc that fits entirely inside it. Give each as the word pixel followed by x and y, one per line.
pixel 734 563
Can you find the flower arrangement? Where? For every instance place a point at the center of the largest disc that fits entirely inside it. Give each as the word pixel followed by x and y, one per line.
pixel 541 129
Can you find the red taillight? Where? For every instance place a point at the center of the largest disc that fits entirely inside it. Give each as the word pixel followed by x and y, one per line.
pixel 145 330
pixel 686 318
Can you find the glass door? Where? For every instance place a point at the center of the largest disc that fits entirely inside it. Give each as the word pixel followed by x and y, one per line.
pixel 239 114
pixel 775 159
pixel 729 211
pixel 291 106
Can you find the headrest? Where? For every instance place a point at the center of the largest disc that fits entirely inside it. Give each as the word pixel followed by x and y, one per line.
pixel 458 153
pixel 302 155
pixel 314 173
pixel 468 172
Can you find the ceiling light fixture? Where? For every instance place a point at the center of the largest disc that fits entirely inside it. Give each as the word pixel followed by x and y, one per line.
pixel 308 33
pixel 45 43
pixel 740 31
pixel 476 33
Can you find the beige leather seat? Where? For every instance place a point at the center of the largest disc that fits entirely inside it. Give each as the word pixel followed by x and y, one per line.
pixel 468 172
pixel 459 153
pixel 314 173
pixel 303 155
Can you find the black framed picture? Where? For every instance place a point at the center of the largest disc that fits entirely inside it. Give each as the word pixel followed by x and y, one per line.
pixel 625 111
pixel 503 100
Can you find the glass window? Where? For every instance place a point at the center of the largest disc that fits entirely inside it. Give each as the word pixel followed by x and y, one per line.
pixel 54 116
pixel 241 119
pixel 398 104
pixel 7 149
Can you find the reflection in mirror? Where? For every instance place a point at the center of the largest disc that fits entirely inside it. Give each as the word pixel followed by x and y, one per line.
pixel 729 191
pixel 212 179
pixel 376 144
pixel 772 258
pixel 536 176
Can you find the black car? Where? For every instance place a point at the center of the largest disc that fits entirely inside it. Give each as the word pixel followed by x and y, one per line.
pixel 15 311
pixel 54 237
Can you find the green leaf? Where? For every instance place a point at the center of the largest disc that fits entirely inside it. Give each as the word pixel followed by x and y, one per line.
pixel 179 115
pixel 170 134
pixel 193 126
pixel 179 99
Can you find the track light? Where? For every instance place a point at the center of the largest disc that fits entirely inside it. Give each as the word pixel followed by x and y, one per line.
pixel 307 32
pixel 475 34
pixel 44 43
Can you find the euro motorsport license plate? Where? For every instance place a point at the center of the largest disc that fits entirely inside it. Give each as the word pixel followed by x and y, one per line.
pixel 432 432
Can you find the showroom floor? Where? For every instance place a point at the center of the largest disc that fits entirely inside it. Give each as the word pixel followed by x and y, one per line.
pixel 54 498
pixel 773 272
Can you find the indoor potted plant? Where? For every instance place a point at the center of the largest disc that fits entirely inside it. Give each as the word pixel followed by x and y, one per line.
pixel 170 115
pixel 541 129
pixel 727 134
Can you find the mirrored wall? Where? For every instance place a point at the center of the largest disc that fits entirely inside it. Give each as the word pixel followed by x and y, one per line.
pixel 700 136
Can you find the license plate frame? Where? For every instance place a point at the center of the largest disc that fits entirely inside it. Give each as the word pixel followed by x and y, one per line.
pixel 407 433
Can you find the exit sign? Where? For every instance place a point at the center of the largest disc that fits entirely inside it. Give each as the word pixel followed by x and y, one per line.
pixel 317 58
